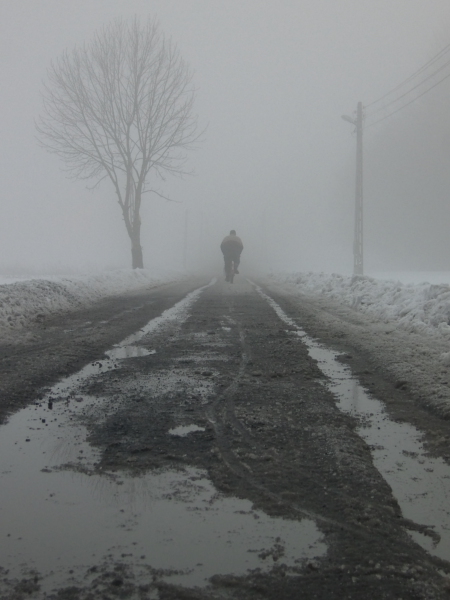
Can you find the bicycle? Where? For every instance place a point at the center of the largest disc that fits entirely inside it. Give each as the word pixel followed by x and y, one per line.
pixel 230 271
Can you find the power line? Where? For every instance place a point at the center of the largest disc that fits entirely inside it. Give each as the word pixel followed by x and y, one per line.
pixel 441 68
pixel 410 102
pixel 415 74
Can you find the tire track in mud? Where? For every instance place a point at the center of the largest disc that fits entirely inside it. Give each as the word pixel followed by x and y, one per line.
pixel 409 524
pixel 60 345
pixel 283 467
pixel 281 443
pixel 221 413
pixel 370 553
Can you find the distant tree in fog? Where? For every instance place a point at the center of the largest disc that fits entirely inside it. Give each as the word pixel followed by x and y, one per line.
pixel 121 108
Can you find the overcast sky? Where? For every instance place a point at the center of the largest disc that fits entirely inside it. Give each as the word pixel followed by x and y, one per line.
pixel 273 79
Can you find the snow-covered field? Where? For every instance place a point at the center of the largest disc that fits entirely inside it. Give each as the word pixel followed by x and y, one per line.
pixel 413 276
pixel 24 301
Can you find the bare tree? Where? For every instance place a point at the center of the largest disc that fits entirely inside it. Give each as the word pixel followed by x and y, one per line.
pixel 121 107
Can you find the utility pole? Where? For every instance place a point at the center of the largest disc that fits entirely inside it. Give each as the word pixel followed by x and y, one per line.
pixel 185 238
pixel 358 240
pixel 358 264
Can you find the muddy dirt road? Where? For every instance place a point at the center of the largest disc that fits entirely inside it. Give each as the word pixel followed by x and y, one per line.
pixel 195 441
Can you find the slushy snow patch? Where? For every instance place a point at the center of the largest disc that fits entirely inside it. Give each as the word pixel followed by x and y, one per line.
pixel 22 303
pixel 416 308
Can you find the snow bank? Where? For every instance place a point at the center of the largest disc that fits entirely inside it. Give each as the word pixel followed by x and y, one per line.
pixel 24 302
pixel 417 308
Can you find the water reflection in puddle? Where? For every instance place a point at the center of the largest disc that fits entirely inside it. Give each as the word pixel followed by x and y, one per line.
pixel 122 352
pixel 55 520
pixel 184 430
pixel 421 484
pixel 61 517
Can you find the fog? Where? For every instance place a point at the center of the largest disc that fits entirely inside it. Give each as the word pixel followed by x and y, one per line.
pixel 277 160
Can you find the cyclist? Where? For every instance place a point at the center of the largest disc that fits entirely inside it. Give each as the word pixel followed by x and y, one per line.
pixel 231 247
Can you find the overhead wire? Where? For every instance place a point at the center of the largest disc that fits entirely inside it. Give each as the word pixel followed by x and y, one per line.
pixel 418 72
pixel 441 68
pixel 408 103
pixel 432 60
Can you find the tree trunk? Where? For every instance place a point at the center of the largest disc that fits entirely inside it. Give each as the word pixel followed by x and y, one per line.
pixel 137 260
pixel 136 257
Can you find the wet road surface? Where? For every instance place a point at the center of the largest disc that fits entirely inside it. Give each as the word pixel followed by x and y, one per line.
pixel 201 443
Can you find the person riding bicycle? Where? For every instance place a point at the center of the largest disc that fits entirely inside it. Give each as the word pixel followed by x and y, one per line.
pixel 231 247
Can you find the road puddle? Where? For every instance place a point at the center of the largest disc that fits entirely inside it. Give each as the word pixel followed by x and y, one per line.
pixel 420 483
pixel 184 430
pixel 64 519
pixel 122 352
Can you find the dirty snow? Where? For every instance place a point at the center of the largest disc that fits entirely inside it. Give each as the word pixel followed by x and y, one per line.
pixel 22 302
pixel 404 326
pixel 417 308
pixel 396 447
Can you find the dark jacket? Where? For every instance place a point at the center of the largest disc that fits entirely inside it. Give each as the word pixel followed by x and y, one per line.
pixel 232 244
